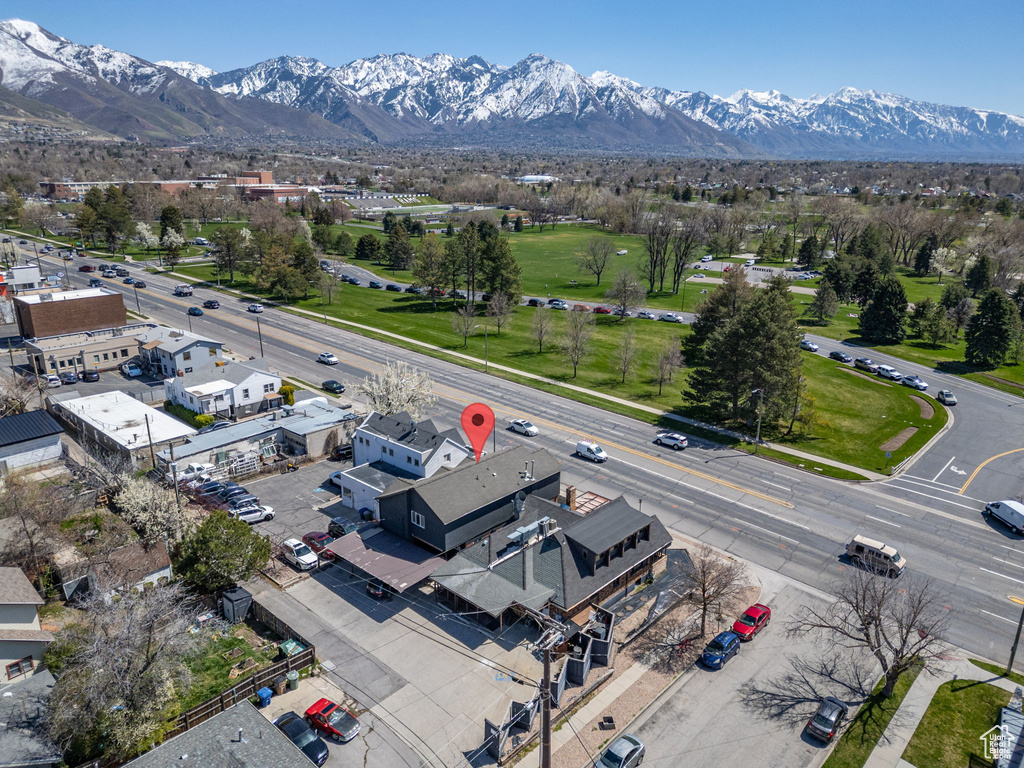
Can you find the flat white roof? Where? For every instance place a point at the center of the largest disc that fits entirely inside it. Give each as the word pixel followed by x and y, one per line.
pixel 84 293
pixel 122 418
pixel 210 387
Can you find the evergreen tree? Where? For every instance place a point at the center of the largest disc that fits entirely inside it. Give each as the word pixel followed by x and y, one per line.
pixel 991 331
pixel 687 194
pixel 94 199
pixel 322 237
pixel 368 248
pixel 721 306
pixel 841 276
pixel 770 324
pixel 504 221
pixel 502 273
pixel 171 218
pixel 866 283
pixel 923 312
pixel 884 318
pixel 936 328
pixel 825 304
pixel 343 245
pixel 115 217
pixel 979 276
pixel 769 248
pixel 952 295
pixel 809 253
pixel 304 260
pixel 518 226
pixel 429 267
pixel 449 231
pixel 923 259
pixel 398 251
pixel 389 222
pixel 786 248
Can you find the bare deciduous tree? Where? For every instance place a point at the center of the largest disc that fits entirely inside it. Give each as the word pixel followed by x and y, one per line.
pixel 326 284
pixel 900 622
pixel 690 234
pixel 626 292
pixel 714 581
pixel 541 326
pixel 961 314
pixel 463 320
pixel 576 337
pixel 500 310
pixel 657 233
pixel 594 260
pixel 399 387
pixel 31 514
pixel 627 353
pixel 669 361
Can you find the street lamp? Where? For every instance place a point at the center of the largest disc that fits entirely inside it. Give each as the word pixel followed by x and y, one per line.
pixel 760 409
pixel 189 316
pixel 485 345
pixel 1016 639
pixel 682 306
pixel 137 305
pixel 260 332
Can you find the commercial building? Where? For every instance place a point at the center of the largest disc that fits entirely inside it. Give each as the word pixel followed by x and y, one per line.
pixel 29 440
pixel 27 279
pixel 119 425
pixel 76 190
pixel 22 640
pixel 227 389
pixel 174 352
pixel 103 349
pixel 60 312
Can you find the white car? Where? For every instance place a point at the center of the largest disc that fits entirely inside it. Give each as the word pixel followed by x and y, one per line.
pixel 257 308
pixel 255 513
pixel 46 379
pixel 328 358
pixel 131 370
pixel 915 381
pixel 810 346
pixel 672 440
pixel 749 262
pixel 888 372
pixel 643 314
pixel 523 427
pixel 621 252
pixel 299 555
pixel 190 473
pixel 335 478
pixel 707 258
pixel 671 317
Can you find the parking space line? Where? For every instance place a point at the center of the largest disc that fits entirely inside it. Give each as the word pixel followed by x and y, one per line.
pixel 937 498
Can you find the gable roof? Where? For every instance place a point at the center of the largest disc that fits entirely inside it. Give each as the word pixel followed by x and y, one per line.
pixel 230 372
pixel 173 340
pixel 216 742
pixel 16 589
pixel 23 707
pixel 453 493
pixel 422 436
pixel 616 521
pixel 23 427
pixel 130 564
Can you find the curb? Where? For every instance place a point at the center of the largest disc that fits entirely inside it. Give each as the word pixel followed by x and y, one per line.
pixel 927 446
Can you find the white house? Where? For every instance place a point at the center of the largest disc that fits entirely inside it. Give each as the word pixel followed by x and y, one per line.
pixel 226 388
pixel 169 350
pixel 22 641
pixel 28 440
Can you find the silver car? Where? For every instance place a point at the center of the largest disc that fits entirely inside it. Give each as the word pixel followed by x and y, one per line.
pixel 672 440
pixel 523 427
pixel 252 514
pixel 627 751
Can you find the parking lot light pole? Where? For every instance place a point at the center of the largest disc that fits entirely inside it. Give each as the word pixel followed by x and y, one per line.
pixel 760 410
pixel 1016 638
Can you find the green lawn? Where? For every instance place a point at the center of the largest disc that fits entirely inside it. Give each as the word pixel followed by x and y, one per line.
pixel 845 433
pixel 867 726
pixel 995 669
pixel 211 671
pixel 949 733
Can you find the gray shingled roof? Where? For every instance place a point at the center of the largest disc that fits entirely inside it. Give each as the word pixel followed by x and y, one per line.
pixel 452 493
pixel 174 340
pixel 23 427
pixel 400 428
pixel 16 589
pixel 23 732
pixel 216 743
pixel 616 521
pixel 228 370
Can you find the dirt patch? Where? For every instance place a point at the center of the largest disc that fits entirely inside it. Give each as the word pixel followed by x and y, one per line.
pixel 927 411
pixel 855 372
pixel 1003 381
pixel 897 442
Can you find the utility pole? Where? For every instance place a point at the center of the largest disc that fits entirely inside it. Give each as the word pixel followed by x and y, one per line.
pixel 760 411
pixel 260 332
pixel 149 433
pixel 545 712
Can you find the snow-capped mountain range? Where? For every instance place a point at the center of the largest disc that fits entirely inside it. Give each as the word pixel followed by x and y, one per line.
pixel 536 103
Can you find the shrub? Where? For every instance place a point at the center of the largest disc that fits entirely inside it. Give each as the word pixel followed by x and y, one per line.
pixel 204 420
pixel 190 417
pixel 287 391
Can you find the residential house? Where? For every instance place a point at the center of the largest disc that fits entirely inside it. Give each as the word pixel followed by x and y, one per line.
pixel 226 389
pixel 23 706
pixel 28 440
pixel 553 560
pixel 173 352
pixel 239 737
pixel 22 640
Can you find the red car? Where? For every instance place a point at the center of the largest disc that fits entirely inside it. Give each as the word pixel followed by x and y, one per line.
pixel 318 541
pixel 602 311
pixel 752 621
pixel 87 268
pixel 332 720
pixel 580 308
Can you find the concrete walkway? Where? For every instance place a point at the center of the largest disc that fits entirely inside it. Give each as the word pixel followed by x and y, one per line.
pixel 889 751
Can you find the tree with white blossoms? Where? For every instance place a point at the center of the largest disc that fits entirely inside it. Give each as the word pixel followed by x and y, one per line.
pixel 399 387
pixel 172 243
pixel 150 508
pixel 144 236
pixel 305 232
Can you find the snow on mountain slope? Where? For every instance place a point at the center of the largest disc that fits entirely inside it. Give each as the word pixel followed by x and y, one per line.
pixel 197 73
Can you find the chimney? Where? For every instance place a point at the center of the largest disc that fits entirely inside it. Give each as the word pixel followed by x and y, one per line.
pixel 570 497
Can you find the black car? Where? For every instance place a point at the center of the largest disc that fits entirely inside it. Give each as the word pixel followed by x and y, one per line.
pixel 342 452
pixel 339 527
pixel 411 289
pixel 376 284
pixel 354 281
pixel 393 287
pixel 303 737
pixel 842 357
pixel 378 590
pixel 231 492
pixel 195 311
pixel 334 387
pixel 535 303
pixel 91 376
pixel 211 304
pixel 345 278
pixel 68 377
pixel 140 283
pixel 211 489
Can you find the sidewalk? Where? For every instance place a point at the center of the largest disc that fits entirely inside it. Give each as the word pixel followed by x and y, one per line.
pixel 817 460
pixel 889 751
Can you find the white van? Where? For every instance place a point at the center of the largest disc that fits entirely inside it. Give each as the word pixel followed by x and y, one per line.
pixel 590 450
pixel 876 556
pixel 1009 513
pixel 749 263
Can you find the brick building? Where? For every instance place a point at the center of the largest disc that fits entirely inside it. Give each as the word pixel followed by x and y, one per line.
pixel 61 312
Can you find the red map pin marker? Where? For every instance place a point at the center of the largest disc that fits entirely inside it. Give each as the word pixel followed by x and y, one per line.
pixel 478 423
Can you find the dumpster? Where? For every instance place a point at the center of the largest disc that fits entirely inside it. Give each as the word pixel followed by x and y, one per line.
pixel 280 684
pixel 291 647
pixel 264 695
pixel 293 680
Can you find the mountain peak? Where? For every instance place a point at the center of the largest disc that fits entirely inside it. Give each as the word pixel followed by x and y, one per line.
pixel 189 69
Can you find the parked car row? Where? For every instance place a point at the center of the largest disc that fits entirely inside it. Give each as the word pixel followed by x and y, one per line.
pixel 324 718
pixel 234 498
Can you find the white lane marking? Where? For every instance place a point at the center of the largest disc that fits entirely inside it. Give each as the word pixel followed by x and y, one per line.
pixel 943 469
pixel 997 616
pixel 997 573
pixel 1008 562
pixel 925 480
pixel 957 470
pixel 937 498
pixel 895 512
pixel 928 484
pixel 770 532
pixel 716 495
pixel 887 522
pixel 776 485
pixel 1012 549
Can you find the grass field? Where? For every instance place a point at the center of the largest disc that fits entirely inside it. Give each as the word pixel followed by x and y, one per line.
pixel 211 671
pixel 844 433
pixel 950 731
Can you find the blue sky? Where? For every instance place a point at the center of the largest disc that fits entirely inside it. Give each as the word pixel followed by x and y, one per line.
pixel 961 53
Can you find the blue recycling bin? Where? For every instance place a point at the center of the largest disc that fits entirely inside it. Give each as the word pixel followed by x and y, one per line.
pixel 265 695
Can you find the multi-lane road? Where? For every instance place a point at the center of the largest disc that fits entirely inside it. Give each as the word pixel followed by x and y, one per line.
pixel 780 517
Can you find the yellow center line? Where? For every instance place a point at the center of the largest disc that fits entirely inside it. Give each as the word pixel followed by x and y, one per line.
pixel 298 341
pixel 981 466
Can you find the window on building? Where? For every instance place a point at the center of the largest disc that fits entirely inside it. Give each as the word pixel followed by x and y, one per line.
pixel 71 362
pixel 645 533
pixel 60 363
pixel 20 667
pixel 124 353
pixel 417 519
pixel 268 387
pixel 106 356
pixel 245 394
pixel 212 351
pixel 186 356
pixel 96 358
pixel 447 457
pixel 218 398
pixel 416 462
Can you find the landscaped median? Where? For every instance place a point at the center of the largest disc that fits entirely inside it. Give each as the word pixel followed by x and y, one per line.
pixel 856 419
